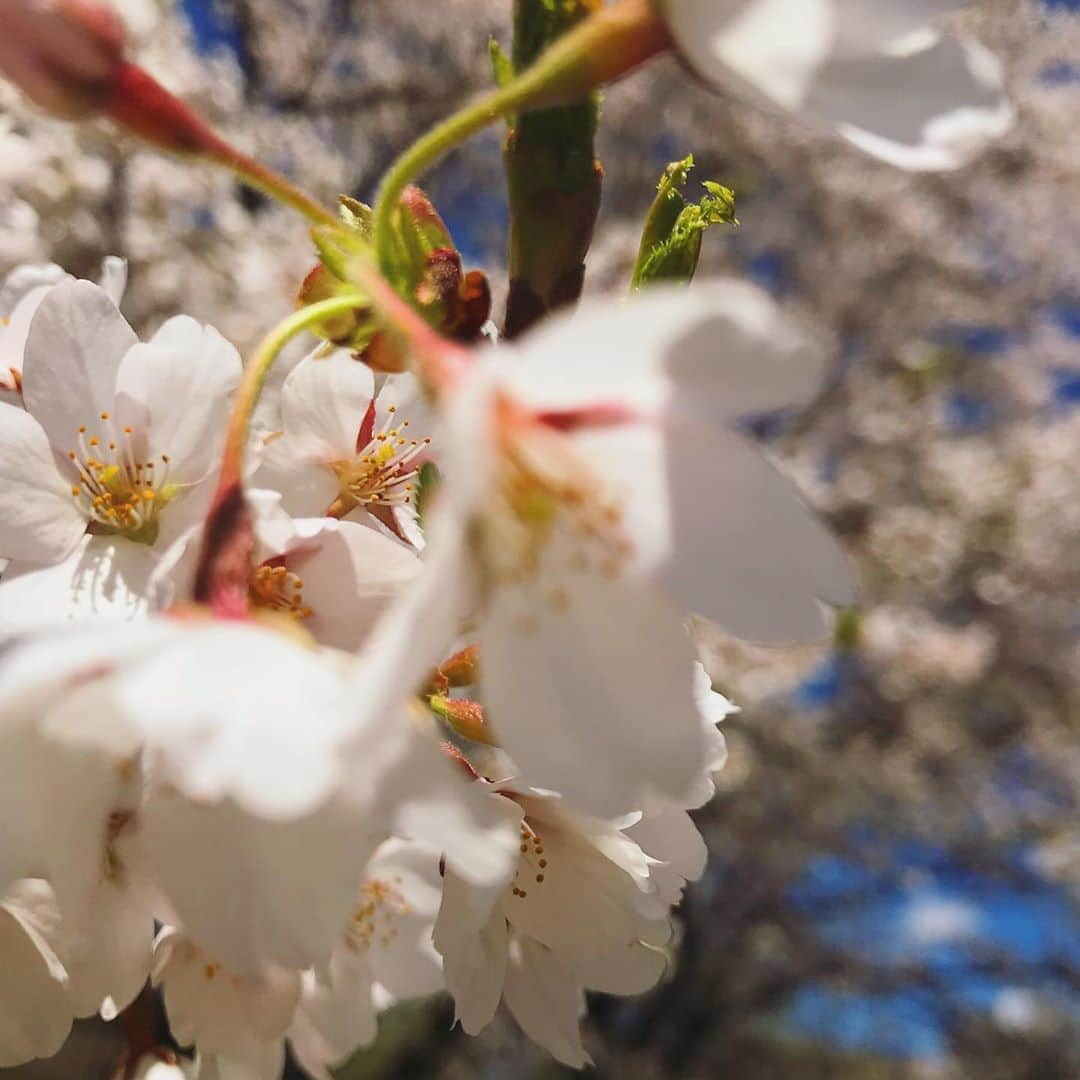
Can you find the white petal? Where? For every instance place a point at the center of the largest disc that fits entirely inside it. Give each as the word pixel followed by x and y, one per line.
pixel 39 521
pixel 213 1007
pixel 21 294
pixel 546 1002
pixel 673 840
pixel 102 578
pixel 420 794
pixel 350 574
pixel 107 950
pixel 247 1061
pixel 931 109
pixel 307 485
pixel 748 37
pixel 175 392
pixel 256 893
pixel 474 957
pixel 73 353
pixel 336 1015
pixel 222 707
pixel 872 69
pixel 723 346
pixel 407 965
pixel 61 840
pixel 324 401
pixel 417 631
pixel 736 542
pixel 35 1014
pixel 582 901
pixel 113 277
pixel 26 280
pixel 554 682
pixel 41 671
pixel 625 969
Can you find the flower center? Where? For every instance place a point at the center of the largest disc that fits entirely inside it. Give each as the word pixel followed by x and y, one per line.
pixel 382 903
pixel 551 516
pixel 382 473
pixel 117 493
pixel 276 588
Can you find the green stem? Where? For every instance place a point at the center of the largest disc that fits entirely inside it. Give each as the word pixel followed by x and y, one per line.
pixel 224 567
pixel 258 367
pixel 264 179
pixel 141 105
pixel 604 47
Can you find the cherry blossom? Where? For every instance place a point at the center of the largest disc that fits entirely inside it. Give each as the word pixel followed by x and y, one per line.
pixel 107 463
pixel 20 295
pixel 878 72
pixel 385 954
pixel 180 749
pixel 582 910
pixel 597 488
pixel 35 1011
pixel 346 447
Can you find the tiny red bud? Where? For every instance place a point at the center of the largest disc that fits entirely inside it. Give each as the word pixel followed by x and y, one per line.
pixel 463 668
pixel 65 55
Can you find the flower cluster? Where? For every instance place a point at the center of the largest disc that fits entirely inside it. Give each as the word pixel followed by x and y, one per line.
pixel 389 688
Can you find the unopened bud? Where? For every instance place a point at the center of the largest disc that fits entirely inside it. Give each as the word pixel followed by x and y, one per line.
pixel 65 55
pixel 464 716
pixel 463 668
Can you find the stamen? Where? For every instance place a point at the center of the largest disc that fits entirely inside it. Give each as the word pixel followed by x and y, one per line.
pixel 382 471
pixel 117 493
pixel 275 588
pixel 382 903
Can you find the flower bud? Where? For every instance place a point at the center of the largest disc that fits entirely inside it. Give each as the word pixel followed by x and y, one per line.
pixel 424 266
pixel 65 55
pixel 464 716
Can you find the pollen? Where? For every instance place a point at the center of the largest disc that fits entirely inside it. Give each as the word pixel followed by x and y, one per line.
pixel 383 471
pixel 274 587
pixel 550 518
pixel 117 493
pixel 374 920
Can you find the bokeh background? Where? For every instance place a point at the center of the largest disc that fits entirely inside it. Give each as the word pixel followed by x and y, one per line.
pixel 892 890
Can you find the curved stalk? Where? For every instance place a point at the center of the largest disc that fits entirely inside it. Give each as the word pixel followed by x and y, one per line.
pixel 603 47
pixel 224 568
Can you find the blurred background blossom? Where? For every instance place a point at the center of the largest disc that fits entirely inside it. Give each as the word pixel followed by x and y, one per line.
pixel 896 859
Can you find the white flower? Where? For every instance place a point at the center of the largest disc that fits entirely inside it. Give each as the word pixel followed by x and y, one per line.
pixel 385 954
pixel 712 708
pixel 335 577
pixel 103 926
pixel 106 462
pixel 595 489
pixel 222 769
pixel 35 1012
pixel 345 447
pixel 218 1011
pixel 876 71
pixel 583 910
pixel 20 295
